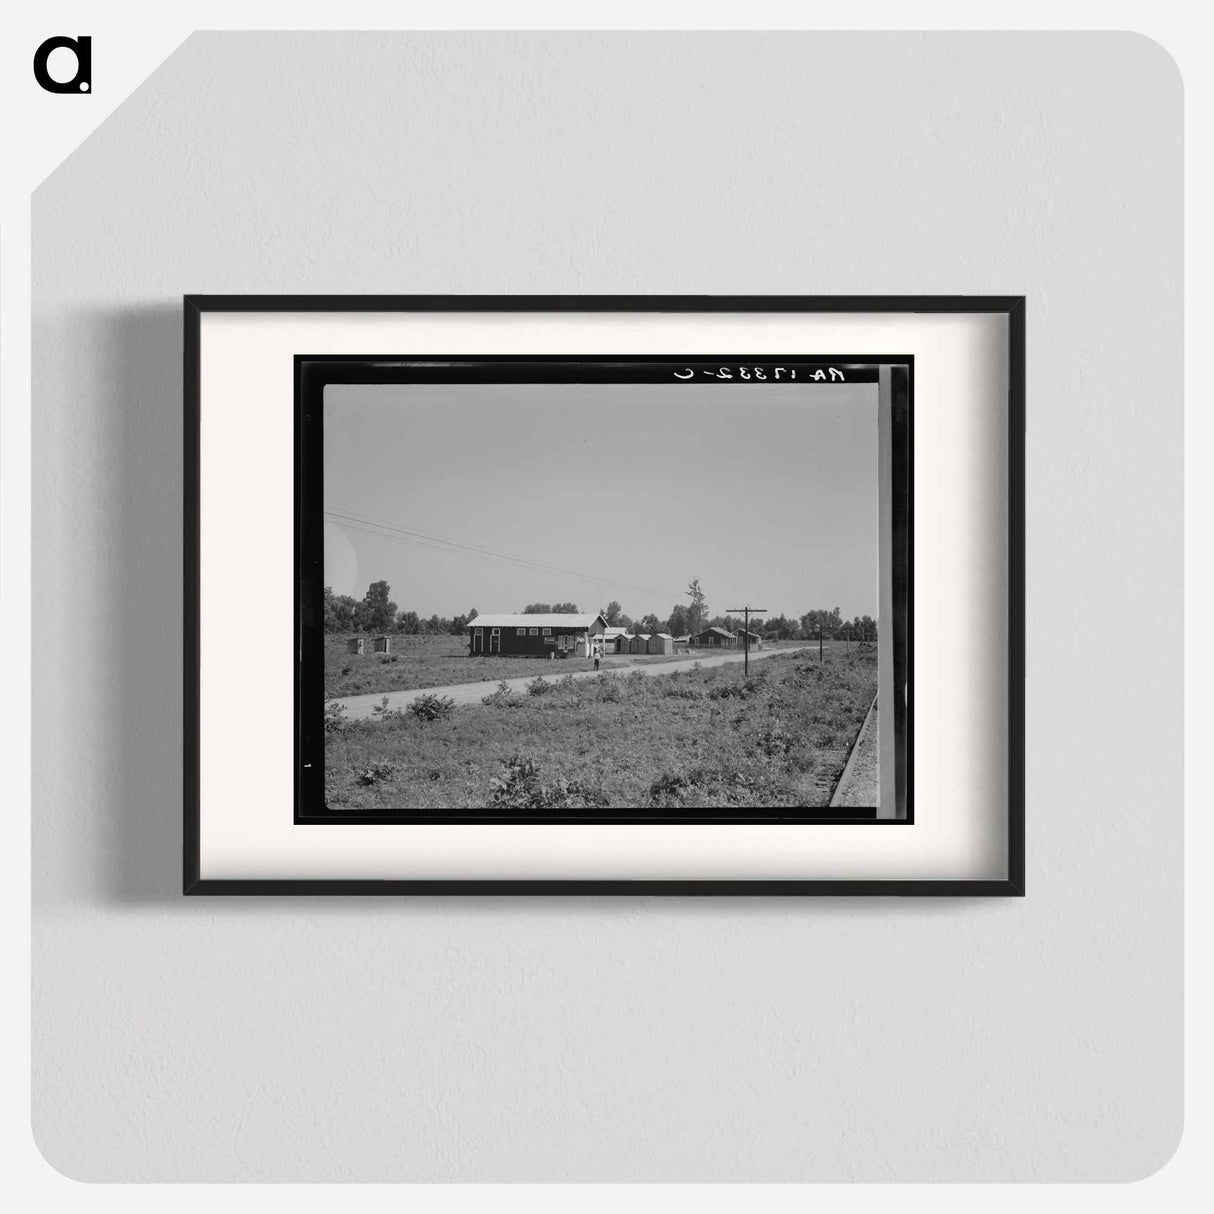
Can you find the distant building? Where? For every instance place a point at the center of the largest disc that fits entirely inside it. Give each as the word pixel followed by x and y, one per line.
pixel 623 643
pixel 714 638
pixel 660 642
pixel 534 635
pixel 610 636
pixel 639 643
pixel 756 641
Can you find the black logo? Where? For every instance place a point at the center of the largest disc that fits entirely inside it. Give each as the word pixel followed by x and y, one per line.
pixel 82 48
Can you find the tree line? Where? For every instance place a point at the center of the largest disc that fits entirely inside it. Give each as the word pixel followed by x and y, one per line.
pixel 687 619
pixel 376 612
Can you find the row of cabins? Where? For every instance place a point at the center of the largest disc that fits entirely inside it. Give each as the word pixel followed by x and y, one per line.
pixel 566 634
pixel 641 642
pixel 663 642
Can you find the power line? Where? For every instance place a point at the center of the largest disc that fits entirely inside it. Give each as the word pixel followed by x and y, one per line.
pixel 746 632
pixel 453 548
pixel 367 525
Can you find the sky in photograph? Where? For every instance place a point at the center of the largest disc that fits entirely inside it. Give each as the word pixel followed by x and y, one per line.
pixel 520 493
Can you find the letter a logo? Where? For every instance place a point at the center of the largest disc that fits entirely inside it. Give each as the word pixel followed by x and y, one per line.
pixel 82 81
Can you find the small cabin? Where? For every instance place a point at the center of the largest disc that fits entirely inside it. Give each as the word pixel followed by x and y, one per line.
pixel 623 643
pixel 660 642
pixel 755 640
pixel 715 638
pixel 639 643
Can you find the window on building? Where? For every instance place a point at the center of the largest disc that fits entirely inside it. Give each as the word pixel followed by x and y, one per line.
pixel 522 632
pixel 535 632
pixel 547 632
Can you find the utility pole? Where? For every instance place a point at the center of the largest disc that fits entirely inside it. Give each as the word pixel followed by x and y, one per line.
pixel 746 632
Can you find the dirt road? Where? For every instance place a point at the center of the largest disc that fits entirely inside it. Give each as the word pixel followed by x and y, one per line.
pixel 360 707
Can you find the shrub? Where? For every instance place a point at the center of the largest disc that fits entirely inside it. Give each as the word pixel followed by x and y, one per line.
pixel 430 707
pixel 385 658
pixel 742 690
pixel 539 686
pixel 335 717
pixel 748 786
pixel 773 741
pixel 346 669
pixel 520 786
pixel 683 693
pixel 609 688
pixel 376 773
pixel 669 790
pixel 503 697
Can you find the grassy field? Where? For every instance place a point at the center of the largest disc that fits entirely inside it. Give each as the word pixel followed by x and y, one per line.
pixel 696 738
pixel 442 661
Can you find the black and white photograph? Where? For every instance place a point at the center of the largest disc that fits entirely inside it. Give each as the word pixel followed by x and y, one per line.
pixel 655 590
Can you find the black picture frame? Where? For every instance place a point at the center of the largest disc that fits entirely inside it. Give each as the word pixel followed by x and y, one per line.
pixel 1012 307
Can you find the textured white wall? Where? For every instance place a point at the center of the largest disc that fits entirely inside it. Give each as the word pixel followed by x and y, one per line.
pixel 624 1039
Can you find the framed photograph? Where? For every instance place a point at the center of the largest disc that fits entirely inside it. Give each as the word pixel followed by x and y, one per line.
pixel 604 595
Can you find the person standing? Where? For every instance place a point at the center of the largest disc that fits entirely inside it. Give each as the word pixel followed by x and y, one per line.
pixel 598 653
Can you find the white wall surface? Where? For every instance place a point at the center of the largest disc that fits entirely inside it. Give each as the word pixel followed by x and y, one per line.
pixel 622 1039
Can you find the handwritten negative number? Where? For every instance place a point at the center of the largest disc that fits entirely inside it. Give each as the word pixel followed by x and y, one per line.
pixel 832 374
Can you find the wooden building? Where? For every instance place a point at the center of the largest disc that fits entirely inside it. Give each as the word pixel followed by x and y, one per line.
pixel 756 641
pixel 660 642
pixel 534 636
pixel 623 643
pixel 611 635
pixel 639 643
pixel 715 638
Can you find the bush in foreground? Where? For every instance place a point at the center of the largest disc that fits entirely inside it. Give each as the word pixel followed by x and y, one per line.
pixel 432 708
pixel 520 786
pixel 377 773
pixel 503 697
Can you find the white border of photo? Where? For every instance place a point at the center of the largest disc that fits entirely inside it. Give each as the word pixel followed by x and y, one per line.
pixel 960 607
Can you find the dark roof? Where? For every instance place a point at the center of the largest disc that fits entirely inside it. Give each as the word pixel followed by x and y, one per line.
pixel 721 632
